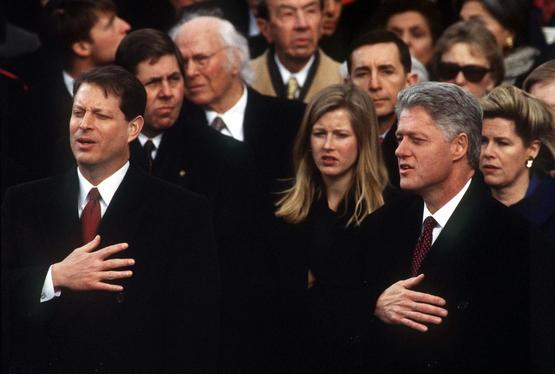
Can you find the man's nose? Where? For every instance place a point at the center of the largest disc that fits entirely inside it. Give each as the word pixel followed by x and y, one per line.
pixel 123 26
pixel 165 89
pixel 300 20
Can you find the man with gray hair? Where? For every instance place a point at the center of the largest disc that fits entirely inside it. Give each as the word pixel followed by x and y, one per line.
pixel 217 72
pixel 449 257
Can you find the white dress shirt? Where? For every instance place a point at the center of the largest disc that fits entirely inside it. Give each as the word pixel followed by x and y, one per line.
pixel 156 141
pixel 233 118
pixel 299 76
pixel 68 82
pixel 107 188
pixel 445 212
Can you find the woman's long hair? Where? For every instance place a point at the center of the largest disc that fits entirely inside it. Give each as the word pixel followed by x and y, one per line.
pixel 370 175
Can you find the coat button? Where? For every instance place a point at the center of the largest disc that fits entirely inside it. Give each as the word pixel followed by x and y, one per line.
pixel 463 305
pixel 120 297
pixel 432 364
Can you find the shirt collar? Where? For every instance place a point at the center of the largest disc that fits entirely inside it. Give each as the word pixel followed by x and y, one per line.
pixel 68 82
pixel 156 140
pixel 107 188
pixel 300 76
pixel 444 213
pixel 233 118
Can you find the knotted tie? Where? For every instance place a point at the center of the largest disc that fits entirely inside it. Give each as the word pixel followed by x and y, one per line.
pixel 423 245
pixel 149 147
pixel 218 124
pixel 292 87
pixel 90 218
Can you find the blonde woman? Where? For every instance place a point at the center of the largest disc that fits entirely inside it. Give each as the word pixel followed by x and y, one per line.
pixel 340 179
pixel 518 155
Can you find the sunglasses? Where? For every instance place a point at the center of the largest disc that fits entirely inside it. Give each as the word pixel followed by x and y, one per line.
pixel 472 73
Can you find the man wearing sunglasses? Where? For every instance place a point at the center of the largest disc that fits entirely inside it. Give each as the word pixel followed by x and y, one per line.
pixel 379 63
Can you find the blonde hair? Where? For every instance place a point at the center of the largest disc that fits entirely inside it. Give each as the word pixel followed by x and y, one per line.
pixel 369 177
pixel 533 119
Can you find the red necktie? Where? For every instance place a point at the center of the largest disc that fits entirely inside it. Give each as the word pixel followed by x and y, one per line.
pixel 90 218
pixel 423 245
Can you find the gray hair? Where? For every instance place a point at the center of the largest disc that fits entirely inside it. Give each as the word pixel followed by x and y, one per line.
pixel 229 36
pixel 453 110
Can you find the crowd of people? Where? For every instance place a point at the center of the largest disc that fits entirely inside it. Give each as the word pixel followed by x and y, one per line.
pixel 278 186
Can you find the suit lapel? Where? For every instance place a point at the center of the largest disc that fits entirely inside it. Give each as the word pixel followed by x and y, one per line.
pixel 138 156
pixel 125 211
pixel 455 240
pixel 61 224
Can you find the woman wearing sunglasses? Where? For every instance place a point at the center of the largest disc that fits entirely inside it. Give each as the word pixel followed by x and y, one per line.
pixel 467 55
pixel 518 149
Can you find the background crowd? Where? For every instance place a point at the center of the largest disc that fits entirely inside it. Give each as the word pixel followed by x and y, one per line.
pixel 283 186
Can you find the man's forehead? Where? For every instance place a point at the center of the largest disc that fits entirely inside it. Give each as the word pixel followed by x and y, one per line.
pixel 198 37
pixel 415 115
pixel 379 53
pixel 103 17
pixel 95 95
pixel 291 3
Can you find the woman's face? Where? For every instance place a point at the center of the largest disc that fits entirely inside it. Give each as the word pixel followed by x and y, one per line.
pixel 467 68
pixel 414 30
pixel 475 10
pixel 334 145
pixel 503 156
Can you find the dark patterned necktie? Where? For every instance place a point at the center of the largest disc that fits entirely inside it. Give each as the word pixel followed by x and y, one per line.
pixel 218 124
pixel 90 218
pixel 149 147
pixel 423 245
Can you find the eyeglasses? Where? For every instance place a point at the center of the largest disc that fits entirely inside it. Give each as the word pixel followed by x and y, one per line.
pixel 201 60
pixel 472 73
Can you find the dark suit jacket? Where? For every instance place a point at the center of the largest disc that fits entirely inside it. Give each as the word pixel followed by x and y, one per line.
pixel 478 264
pixel 270 125
pixel 389 145
pixel 165 320
pixel 222 169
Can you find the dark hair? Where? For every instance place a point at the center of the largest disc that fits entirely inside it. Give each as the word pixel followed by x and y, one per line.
pixel 117 81
pixel 71 21
pixel 426 8
pixel 382 36
pixel 145 45
pixel 476 36
pixel 511 14
pixel 262 10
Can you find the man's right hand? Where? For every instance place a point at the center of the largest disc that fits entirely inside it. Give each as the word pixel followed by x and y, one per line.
pixel 399 305
pixel 85 269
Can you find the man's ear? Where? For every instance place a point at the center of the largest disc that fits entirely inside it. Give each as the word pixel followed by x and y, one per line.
pixel 82 48
pixel 459 146
pixel 134 128
pixel 412 78
pixel 264 27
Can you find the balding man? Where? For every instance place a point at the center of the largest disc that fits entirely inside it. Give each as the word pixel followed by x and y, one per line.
pixel 293 67
pixel 216 75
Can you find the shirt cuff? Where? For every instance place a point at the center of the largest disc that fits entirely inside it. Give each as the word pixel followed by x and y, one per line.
pixel 48 292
